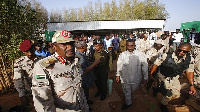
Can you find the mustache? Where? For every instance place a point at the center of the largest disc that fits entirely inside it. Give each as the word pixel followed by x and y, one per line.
pixel 69 50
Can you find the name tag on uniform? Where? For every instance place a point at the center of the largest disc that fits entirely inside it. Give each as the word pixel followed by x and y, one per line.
pixel 40 76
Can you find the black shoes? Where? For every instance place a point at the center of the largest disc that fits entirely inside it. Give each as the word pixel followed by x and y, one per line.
pixel 103 97
pixel 90 102
pixel 155 91
pixel 124 107
pixel 164 108
pixel 90 109
pixel 97 94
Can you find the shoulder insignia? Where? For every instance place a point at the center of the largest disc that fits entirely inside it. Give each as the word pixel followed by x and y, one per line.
pixel 20 59
pixel 45 62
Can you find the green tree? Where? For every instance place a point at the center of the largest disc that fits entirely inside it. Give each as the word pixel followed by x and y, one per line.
pixel 114 10
pixel 127 10
pixel 19 20
pixel 101 15
pixel 80 14
pixel 90 11
pixel 107 11
pixel 138 11
pixel 73 15
pixel 121 15
pixel 66 15
pixel 86 14
pixel 56 16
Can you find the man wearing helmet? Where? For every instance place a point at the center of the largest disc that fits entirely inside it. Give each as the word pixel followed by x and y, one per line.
pixel 56 79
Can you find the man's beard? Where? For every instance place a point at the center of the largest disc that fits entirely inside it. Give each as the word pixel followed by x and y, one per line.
pixel 70 56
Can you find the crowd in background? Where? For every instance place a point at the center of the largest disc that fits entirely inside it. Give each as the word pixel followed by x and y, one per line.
pixel 134 52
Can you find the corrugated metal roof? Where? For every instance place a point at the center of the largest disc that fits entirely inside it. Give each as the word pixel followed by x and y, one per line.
pixel 99 25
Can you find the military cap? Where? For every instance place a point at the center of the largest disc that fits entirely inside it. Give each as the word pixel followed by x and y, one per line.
pixel 25 45
pixel 62 37
pixel 98 41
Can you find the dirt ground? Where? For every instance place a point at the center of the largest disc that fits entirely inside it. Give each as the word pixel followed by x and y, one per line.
pixel 141 102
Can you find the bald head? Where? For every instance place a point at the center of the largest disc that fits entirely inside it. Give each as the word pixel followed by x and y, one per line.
pixel 183 49
pixel 185 45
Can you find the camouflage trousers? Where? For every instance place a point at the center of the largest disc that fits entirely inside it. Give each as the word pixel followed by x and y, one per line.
pixel 171 88
pixel 22 87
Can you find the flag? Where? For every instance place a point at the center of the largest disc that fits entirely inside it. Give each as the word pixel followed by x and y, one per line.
pixel 41 76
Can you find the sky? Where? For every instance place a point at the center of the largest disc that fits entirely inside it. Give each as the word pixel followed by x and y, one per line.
pixel 180 11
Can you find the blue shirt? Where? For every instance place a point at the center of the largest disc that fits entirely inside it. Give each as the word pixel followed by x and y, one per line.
pixel 42 53
pixel 87 78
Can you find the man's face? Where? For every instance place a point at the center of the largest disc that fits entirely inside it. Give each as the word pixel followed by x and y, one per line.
pixel 107 37
pixel 38 48
pixel 30 53
pixel 85 39
pixel 85 48
pixel 98 47
pixel 183 50
pixel 66 50
pixel 130 46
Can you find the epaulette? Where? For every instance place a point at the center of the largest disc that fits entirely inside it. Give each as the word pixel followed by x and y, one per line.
pixel 38 58
pixel 46 62
pixel 19 59
pixel 77 56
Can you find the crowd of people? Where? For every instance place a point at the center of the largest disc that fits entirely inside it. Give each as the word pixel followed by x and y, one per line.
pixel 59 77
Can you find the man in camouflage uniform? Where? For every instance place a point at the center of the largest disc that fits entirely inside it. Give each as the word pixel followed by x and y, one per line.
pixel 122 44
pixel 56 84
pixel 143 43
pixel 152 55
pixel 23 69
pixel 194 100
pixel 171 66
pixel 102 69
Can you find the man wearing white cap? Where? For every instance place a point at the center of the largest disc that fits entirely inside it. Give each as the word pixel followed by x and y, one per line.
pixel 56 84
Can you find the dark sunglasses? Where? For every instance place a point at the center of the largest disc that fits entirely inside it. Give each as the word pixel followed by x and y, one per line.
pixel 179 50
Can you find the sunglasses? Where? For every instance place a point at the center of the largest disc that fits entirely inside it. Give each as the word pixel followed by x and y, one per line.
pixel 179 50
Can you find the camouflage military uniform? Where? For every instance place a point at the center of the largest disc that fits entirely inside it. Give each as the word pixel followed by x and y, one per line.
pixel 22 75
pixel 143 45
pixel 122 45
pixel 171 85
pixel 194 100
pixel 56 86
pixel 166 44
pixel 152 55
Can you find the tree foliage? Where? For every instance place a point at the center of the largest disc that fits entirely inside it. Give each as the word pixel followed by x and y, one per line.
pixel 125 10
pixel 19 19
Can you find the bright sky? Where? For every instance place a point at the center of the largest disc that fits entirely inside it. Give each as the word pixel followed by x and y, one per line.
pixel 180 10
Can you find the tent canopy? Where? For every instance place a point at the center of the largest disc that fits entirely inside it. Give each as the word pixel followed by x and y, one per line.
pixel 106 25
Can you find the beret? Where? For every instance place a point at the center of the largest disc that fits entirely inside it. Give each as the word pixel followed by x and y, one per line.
pixel 25 45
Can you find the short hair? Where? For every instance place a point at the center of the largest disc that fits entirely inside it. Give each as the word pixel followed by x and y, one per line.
pixel 130 40
pixel 80 44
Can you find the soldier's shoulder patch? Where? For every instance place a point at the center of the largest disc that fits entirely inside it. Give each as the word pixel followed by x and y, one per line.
pixel 40 76
pixel 45 62
pixel 20 59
